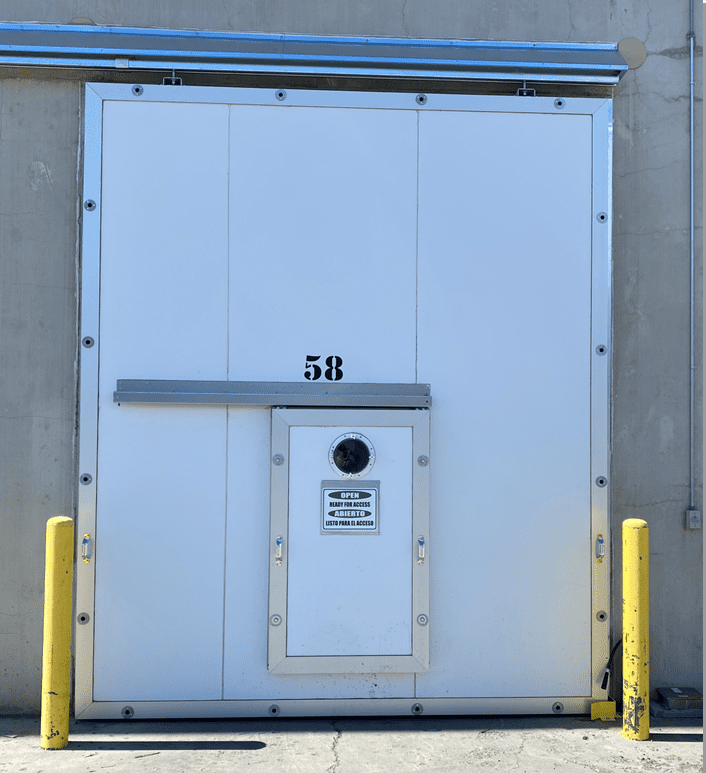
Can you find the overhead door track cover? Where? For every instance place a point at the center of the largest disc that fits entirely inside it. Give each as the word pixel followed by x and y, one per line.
pixel 73 46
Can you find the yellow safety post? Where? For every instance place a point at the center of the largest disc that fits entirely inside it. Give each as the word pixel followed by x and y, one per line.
pixel 636 630
pixel 56 662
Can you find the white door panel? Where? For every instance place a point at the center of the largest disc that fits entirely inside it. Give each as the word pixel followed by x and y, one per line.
pixel 342 601
pixel 161 469
pixel 323 220
pixel 159 555
pixel 504 338
pixel 247 548
pixel 350 594
pixel 164 242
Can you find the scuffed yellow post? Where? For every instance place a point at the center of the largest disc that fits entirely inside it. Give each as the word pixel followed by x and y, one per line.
pixel 56 662
pixel 636 630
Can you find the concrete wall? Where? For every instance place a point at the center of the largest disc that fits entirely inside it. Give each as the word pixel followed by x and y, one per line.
pixel 38 228
pixel 40 131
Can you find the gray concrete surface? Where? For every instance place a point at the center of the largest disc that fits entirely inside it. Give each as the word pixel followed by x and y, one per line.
pixel 433 745
pixel 39 125
pixel 40 132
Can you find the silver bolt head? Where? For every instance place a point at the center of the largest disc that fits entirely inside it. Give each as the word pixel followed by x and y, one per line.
pixel 278 459
pixel 423 461
pixel 275 620
pixel 422 619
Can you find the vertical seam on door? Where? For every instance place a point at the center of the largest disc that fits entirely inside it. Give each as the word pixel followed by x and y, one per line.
pixel 416 362
pixel 230 109
pixel 225 502
pixel 416 271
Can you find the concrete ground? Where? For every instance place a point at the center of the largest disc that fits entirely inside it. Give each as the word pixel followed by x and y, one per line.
pixel 430 744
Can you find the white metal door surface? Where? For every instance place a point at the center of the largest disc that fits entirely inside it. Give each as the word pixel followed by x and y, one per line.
pixel 349 595
pixel 323 211
pixel 333 239
pixel 505 311
pixel 163 311
pixel 336 604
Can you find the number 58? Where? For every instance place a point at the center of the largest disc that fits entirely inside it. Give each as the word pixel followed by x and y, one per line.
pixel 312 372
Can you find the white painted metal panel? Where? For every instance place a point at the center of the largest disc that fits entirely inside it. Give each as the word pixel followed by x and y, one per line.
pixel 350 594
pixel 245 671
pixel 164 247
pixel 312 198
pixel 323 242
pixel 161 473
pixel 159 554
pixel 286 506
pixel 504 339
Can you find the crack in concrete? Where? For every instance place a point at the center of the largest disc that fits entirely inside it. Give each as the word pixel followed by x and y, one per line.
pixel 334 748
pixel 643 96
pixel 649 22
pixel 646 169
pixel 682 98
pixel 225 8
pixel 405 26
pixel 519 751
pixel 572 28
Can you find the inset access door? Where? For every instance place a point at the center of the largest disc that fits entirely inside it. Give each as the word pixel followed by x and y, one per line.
pixel 349 539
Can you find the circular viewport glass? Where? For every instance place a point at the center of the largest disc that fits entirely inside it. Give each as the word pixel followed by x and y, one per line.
pixel 352 455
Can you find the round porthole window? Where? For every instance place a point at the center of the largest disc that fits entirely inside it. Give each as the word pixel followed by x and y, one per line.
pixel 351 455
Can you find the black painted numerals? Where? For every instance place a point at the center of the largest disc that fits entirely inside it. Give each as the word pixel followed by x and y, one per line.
pixel 333 372
pixel 312 372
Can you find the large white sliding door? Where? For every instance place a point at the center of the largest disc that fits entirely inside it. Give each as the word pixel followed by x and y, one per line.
pixel 248 250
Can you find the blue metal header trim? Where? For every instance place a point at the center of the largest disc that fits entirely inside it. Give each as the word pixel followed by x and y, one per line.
pixel 47 45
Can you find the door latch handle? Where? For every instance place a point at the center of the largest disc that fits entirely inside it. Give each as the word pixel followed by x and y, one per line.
pixel 600 549
pixel 278 551
pixel 421 549
pixel 86 548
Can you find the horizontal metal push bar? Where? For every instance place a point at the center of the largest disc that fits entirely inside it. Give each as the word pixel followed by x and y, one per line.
pixel 74 46
pixel 274 393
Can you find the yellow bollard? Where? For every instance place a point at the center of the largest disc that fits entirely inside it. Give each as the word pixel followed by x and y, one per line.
pixel 636 630
pixel 56 662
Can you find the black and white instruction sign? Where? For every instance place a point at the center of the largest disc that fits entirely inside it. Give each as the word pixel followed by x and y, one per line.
pixel 349 508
